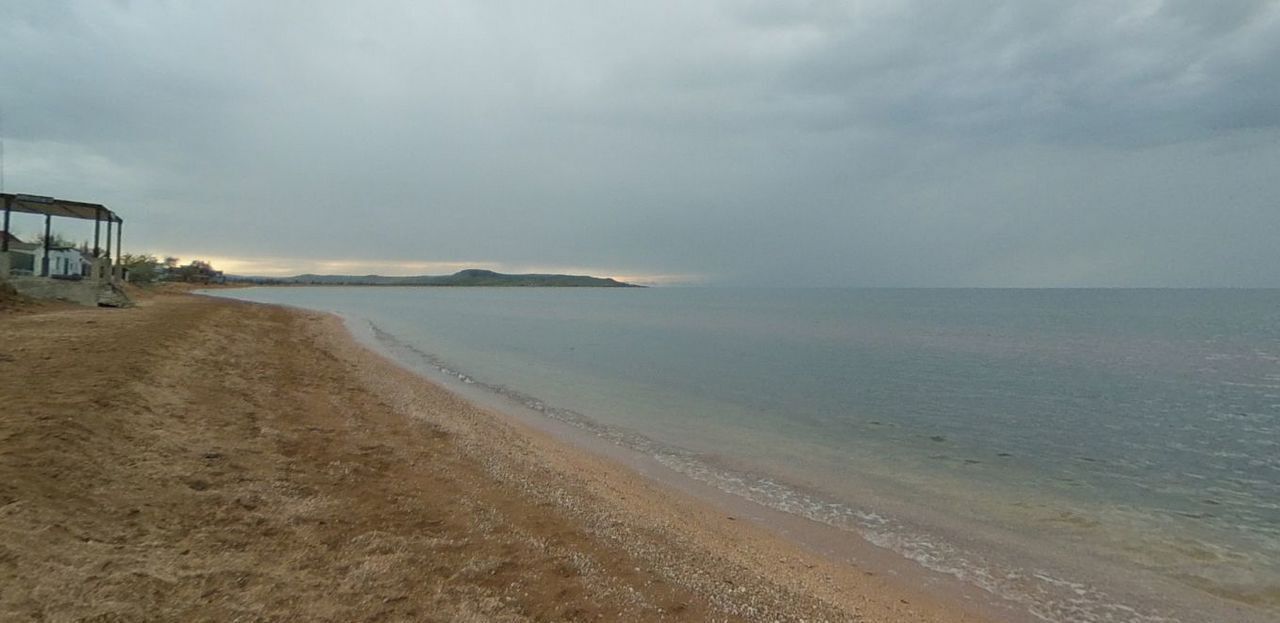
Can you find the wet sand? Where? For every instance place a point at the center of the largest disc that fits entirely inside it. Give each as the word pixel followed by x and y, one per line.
pixel 202 459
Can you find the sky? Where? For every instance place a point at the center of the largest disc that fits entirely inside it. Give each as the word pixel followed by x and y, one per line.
pixel 1020 143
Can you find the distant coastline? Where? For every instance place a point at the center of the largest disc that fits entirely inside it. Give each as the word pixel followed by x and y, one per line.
pixel 471 277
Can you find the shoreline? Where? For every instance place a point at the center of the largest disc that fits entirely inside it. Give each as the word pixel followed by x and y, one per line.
pixel 1093 587
pixel 840 554
pixel 860 579
pixel 208 458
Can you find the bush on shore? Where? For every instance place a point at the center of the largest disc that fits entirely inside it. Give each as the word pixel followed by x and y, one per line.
pixel 148 269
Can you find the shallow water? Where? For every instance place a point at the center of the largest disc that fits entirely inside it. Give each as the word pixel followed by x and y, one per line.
pixel 1082 453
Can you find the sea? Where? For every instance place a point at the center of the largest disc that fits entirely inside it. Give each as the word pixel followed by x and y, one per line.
pixel 1074 454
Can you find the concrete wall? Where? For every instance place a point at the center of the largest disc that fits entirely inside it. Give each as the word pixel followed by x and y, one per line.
pixel 101 287
pixel 80 292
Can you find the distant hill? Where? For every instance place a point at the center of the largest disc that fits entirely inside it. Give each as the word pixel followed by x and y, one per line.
pixel 463 278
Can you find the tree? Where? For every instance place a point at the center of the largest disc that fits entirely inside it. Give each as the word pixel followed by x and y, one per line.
pixel 142 268
pixel 198 271
pixel 56 240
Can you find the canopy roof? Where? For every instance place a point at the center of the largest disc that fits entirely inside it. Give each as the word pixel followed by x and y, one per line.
pixel 35 204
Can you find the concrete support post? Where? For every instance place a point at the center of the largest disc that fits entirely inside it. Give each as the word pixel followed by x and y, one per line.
pixel 101 269
pixel 8 207
pixel 48 241
pixel 5 261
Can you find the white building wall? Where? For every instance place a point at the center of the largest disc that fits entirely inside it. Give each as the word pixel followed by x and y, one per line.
pixel 61 261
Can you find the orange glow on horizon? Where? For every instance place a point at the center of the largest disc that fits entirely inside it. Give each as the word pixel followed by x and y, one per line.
pixel 288 267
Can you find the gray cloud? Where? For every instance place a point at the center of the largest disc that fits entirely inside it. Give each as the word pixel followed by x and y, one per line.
pixel 854 143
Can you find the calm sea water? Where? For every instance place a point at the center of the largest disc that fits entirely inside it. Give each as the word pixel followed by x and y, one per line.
pixel 1086 454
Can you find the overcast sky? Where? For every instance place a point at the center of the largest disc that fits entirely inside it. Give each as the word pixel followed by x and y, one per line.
pixel 890 142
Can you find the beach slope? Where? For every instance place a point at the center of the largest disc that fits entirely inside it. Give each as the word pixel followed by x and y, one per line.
pixel 205 459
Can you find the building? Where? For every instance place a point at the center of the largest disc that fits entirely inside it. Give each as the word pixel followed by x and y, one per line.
pixel 88 278
pixel 22 255
pixel 66 262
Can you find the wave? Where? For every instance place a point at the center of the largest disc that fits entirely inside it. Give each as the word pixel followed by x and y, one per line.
pixel 1044 594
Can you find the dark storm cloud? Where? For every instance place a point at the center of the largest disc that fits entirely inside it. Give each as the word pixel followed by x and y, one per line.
pixel 1076 72
pixel 879 143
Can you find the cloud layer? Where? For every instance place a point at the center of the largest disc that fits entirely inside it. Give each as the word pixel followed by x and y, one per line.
pixel 990 143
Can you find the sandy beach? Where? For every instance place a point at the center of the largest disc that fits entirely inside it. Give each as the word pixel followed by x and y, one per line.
pixel 201 459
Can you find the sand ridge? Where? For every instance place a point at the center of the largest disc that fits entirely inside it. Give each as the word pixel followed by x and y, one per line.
pixel 202 459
